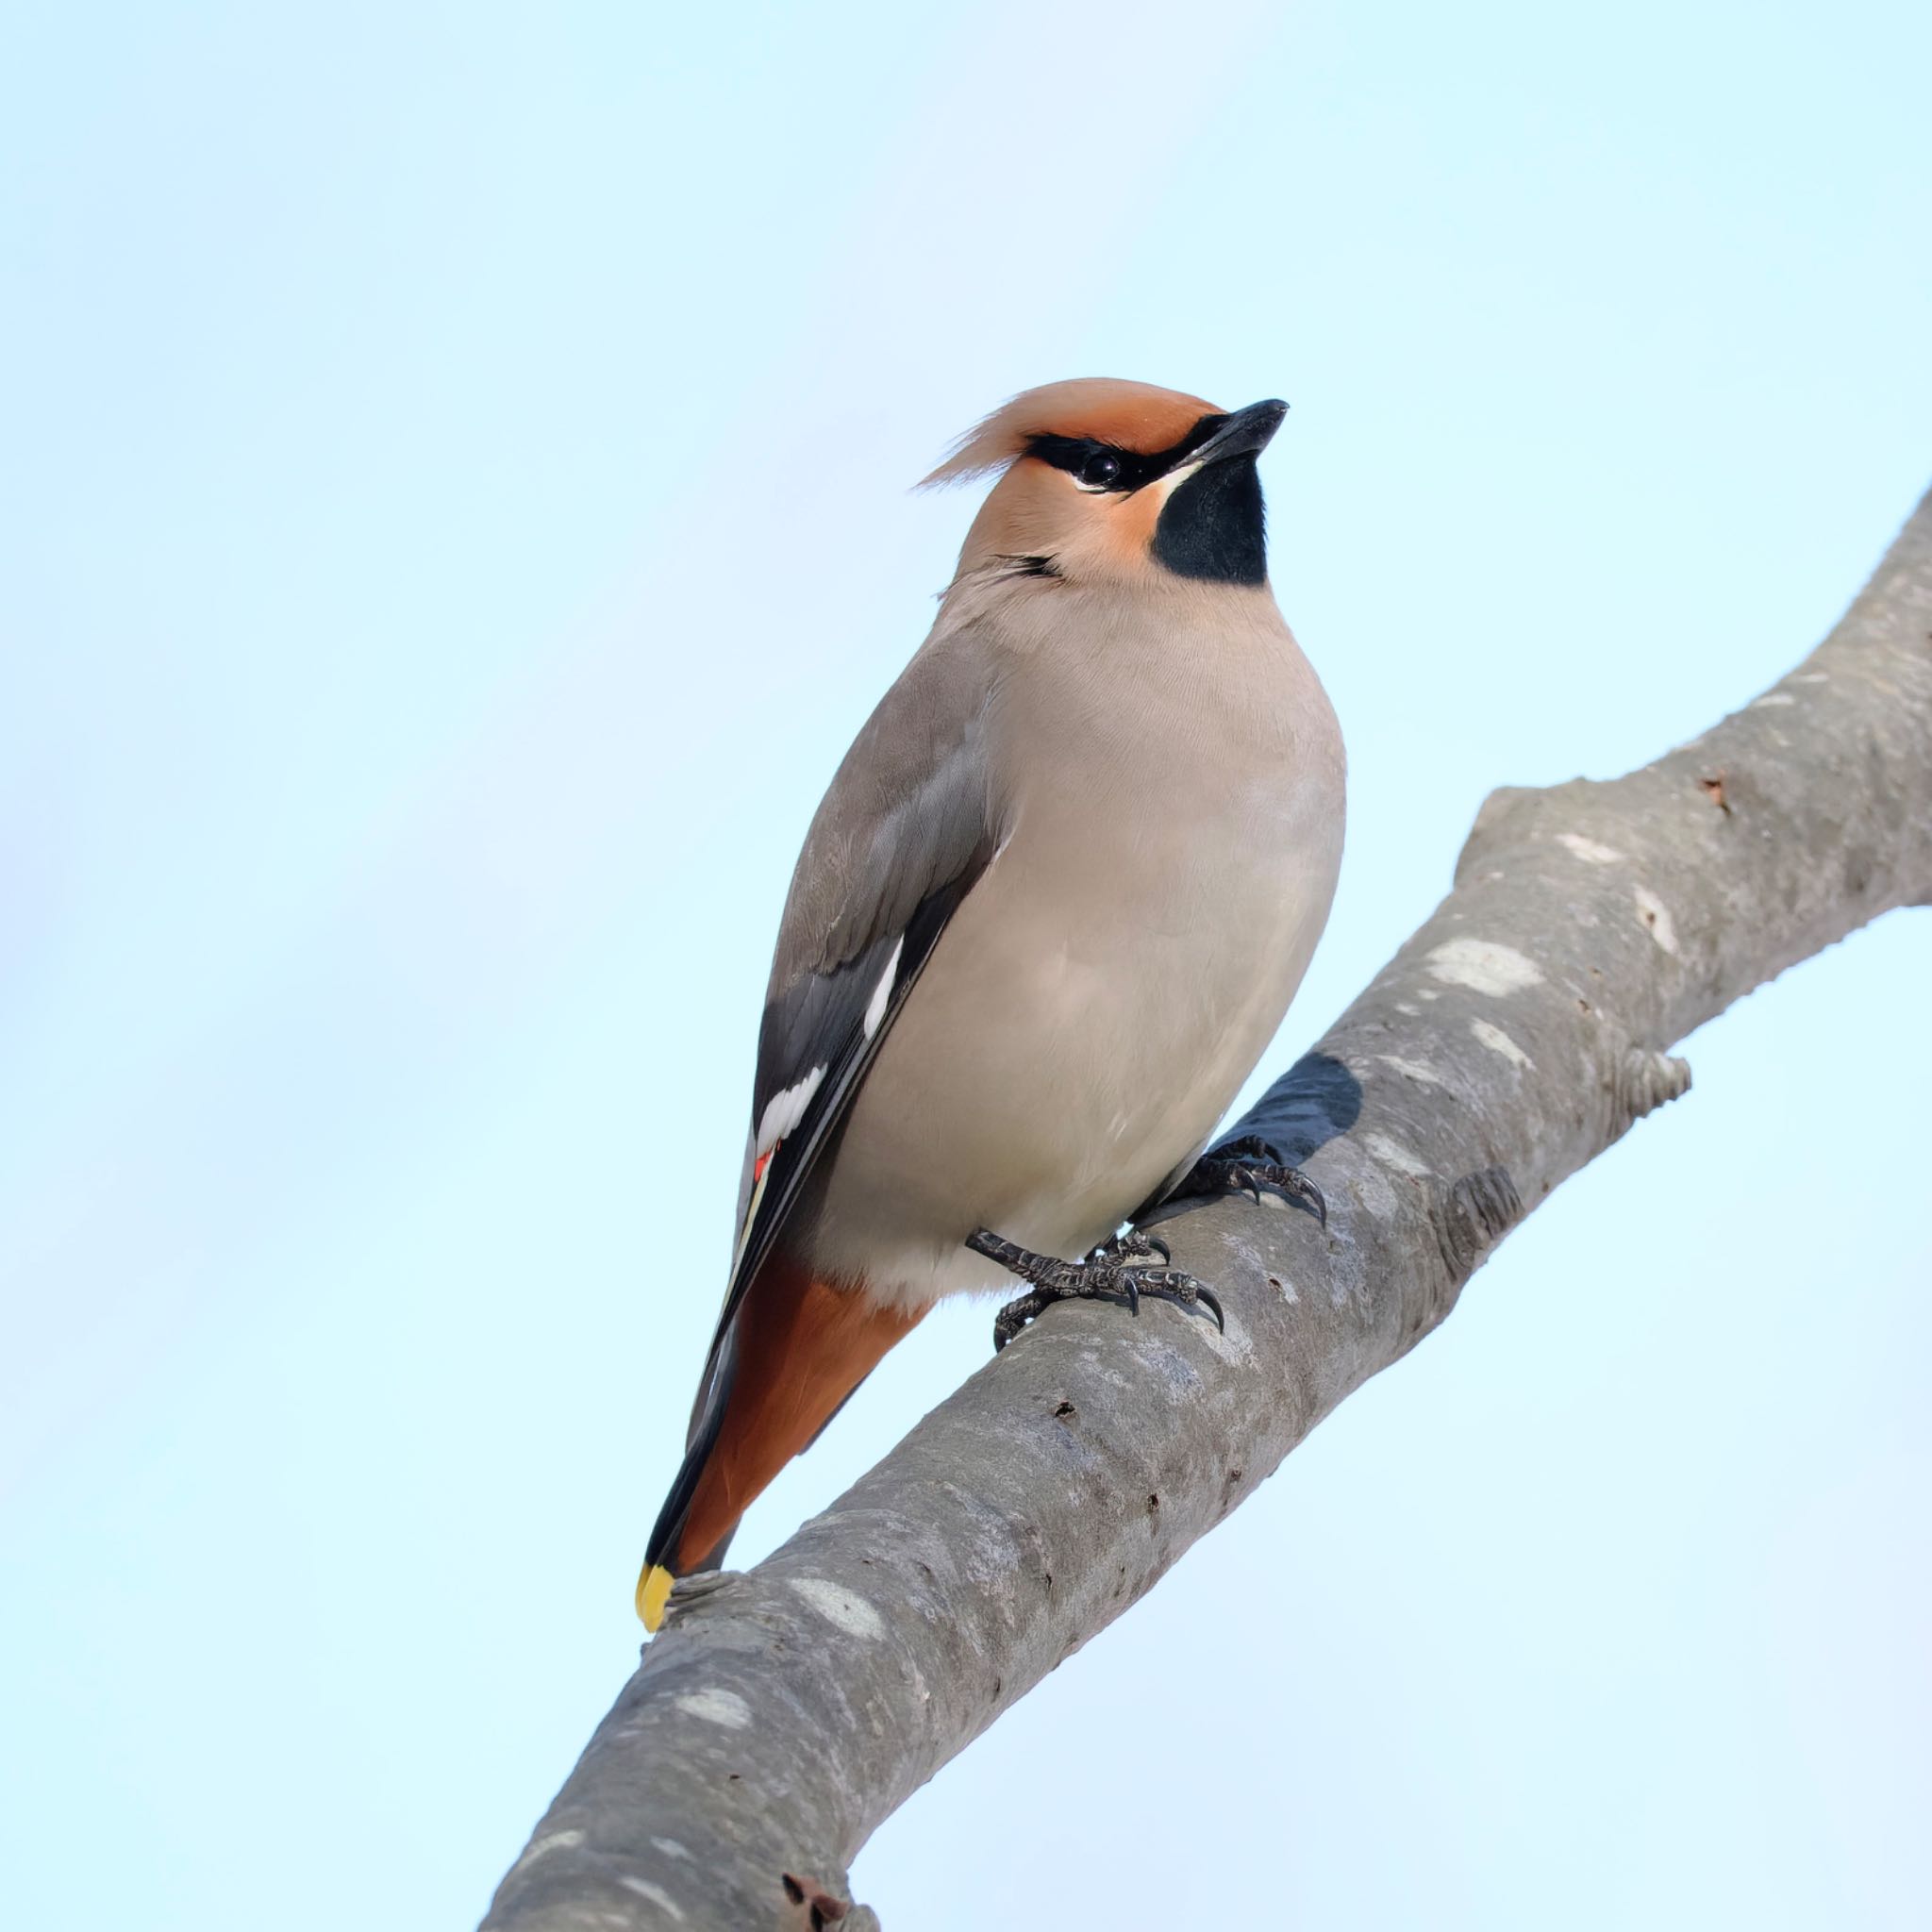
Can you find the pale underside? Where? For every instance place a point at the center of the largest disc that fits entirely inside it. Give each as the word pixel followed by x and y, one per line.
pixel 1171 836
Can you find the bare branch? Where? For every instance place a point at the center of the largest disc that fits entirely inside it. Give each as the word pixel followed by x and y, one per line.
pixel 786 1713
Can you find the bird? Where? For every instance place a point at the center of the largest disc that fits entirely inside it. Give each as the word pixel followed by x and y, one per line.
pixel 1047 917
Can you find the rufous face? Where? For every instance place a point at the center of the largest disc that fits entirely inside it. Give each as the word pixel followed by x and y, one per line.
pixel 1120 482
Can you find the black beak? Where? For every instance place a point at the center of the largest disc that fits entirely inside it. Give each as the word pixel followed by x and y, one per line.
pixel 1245 433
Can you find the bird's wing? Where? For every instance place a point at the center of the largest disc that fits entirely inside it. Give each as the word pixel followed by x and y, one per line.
pixel 902 835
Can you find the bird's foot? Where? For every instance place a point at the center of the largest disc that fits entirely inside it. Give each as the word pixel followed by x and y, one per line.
pixel 1247 1166
pixel 1115 1270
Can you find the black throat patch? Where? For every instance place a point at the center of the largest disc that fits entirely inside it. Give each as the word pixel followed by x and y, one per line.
pixel 1214 526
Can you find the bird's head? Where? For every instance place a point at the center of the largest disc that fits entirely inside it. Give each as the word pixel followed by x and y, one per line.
pixel 1118 482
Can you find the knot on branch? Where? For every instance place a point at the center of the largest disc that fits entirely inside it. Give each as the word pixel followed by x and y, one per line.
pixel 1475 1213
pixel 1495 811
pixel 1640 1083
pixel 1511 815
pixel 816 1910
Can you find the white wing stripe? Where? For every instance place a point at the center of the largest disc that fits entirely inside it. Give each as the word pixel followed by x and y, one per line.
pixel 784 1111
pixel 875 1006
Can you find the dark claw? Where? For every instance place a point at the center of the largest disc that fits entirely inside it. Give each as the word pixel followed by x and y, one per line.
pixel 1240 1177
pixel 1298 1183
pixel 1249 1147
pixel 1247 1166
pixel 1184 1291
pixel 1132 1246
pixel 1106 1274
pixel 1015 1316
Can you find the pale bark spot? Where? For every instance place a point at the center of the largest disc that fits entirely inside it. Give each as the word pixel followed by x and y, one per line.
pixel 1498 1041
pixel 1656 917
pixel 1393 1154
pixel 1588 850
pixel 1413 1070
pixel 724 1708
pixel 656 1893
pixel 1483 966
pixel 551 1841
pixel 840 1606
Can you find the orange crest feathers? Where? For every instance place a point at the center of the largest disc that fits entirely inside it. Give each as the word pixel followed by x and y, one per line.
pixel 1129 415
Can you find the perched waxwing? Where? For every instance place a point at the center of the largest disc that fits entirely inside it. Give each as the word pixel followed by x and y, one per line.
pixel 1046 919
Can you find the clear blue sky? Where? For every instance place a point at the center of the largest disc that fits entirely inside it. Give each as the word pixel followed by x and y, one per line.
pixel 453 471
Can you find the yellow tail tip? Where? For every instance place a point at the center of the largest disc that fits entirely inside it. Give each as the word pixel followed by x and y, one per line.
pixel 653 1587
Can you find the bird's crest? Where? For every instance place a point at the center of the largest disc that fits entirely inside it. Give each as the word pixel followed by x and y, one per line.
pixel 1125 415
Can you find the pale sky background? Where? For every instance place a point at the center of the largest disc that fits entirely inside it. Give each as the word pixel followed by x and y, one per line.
pixel 453 478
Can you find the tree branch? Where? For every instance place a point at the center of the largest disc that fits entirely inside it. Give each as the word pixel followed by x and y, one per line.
pixel 785 1713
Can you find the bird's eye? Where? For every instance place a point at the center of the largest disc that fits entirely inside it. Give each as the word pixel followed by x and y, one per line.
pixel 1101 471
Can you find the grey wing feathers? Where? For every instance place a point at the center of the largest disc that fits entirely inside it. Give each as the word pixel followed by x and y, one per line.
pixel 905 813
pixel 902 835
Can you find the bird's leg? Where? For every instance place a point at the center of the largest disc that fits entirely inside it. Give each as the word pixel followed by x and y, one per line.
pixel 1114 1270
pixel 1248 1165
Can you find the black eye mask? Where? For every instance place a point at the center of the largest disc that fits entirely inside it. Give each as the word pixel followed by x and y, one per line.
pixel 1107 466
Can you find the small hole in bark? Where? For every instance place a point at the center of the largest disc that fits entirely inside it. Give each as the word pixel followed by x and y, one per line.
pixel 1273 1282
pixel 1049 1583
pixel 1065 1409
pixel 1234 1476
pixel 733 1779
pixel 1583 1006
pixel 794 1891
pixel 1153 1503
pixel 999 1683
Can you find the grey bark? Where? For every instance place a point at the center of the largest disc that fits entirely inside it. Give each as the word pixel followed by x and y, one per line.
pixel 785 1713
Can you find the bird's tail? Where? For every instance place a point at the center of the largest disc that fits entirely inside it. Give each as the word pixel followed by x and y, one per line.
pixel 791 1353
